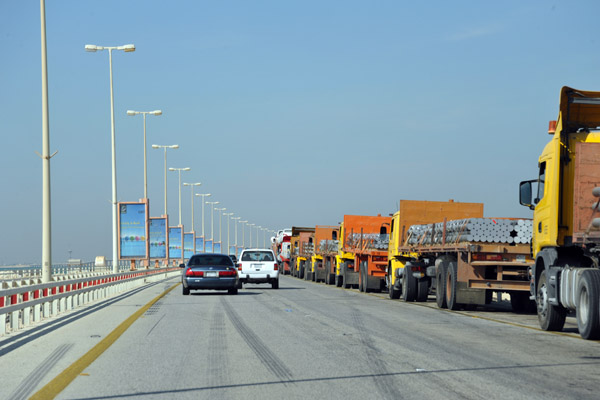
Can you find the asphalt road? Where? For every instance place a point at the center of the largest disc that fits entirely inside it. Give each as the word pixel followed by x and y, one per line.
pixel 304 340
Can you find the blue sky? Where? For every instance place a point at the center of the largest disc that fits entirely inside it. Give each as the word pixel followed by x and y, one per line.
pixel 288 112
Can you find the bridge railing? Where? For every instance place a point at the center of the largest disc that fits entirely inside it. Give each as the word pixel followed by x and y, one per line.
pixel 21 307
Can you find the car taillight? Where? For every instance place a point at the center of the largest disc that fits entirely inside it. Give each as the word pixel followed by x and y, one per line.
pixel 229 272
pixel 239 266
pixel 276 267
pixel 190 272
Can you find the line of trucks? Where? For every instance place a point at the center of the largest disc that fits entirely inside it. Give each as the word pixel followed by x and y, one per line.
pixel 550 263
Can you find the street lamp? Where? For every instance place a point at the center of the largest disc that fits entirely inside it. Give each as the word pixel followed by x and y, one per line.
pixel 212 221
pixel 257 229
pixel 126 48
pixel 179 170
pixel 265 237
pixel 243 234
pixel 203 197
pixel 191 185
pixel 155 112
pixel 236 224
pixel 250 225
pixel 160 146
pixel 228 215
pixel 220 230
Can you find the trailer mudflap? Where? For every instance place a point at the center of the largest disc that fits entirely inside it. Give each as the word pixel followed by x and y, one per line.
pixel 466 295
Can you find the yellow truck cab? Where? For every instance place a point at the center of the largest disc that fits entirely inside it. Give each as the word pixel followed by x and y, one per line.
pixel 565 235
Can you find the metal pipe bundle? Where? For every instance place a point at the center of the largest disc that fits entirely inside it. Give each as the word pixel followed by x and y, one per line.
pixel 375 241
pixel 488 230
pixel 328 246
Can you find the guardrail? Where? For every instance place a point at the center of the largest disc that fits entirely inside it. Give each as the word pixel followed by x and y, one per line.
pixel 16 272
pixel 26 305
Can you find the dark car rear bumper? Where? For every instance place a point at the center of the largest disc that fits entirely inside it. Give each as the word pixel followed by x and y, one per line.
pixel 197 283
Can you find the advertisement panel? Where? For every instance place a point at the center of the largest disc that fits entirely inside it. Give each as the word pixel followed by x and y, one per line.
pixel 175 242
pixel 188 245
pixel 208 246
pixel 200 244
pixel 132 230
pixel 158 237
pixel 217 247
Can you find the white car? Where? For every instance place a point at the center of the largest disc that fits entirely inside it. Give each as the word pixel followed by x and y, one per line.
pixel 258 266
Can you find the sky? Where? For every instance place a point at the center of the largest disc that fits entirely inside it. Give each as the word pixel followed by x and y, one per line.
pixel 290 113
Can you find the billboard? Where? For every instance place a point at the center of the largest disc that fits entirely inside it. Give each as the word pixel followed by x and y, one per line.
pixel 158 237
pixel 188 245
pixel 199 244
pixel 175 241
pixel 217 247
pixel 132 230
pixel 208 246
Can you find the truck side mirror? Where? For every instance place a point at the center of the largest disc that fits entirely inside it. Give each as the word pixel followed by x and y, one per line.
pixel 525 195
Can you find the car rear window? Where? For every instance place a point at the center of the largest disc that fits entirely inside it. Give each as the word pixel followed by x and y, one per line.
pixel 209 259
pixel 257 256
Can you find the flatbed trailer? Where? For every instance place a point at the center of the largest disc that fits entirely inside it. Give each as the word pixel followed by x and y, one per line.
pixel 301 243
pixel 466 273
pixel 325 260
pixel 363 252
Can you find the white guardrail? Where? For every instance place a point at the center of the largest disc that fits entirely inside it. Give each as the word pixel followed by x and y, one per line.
pixel 21 307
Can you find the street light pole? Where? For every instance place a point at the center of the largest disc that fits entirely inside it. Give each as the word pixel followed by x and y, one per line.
pixel 228 215
pixel 191 185
pixel 159 146
pixel 243 233
pixel 220 230
pixel 212 220
pixel 127 48
pixel 46 210
pixel 236 224
pixel 257 229
pixel 203 195
pixel 155 112
pixel 179 170
pixel 251 225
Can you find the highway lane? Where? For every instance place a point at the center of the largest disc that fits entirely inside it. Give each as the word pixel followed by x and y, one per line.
pixel 311 340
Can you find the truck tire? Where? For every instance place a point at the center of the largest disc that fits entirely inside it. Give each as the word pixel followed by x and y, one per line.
pixel 521 304
pixel 327 268
pixel 550 317
pixel 409 284
pixel 361 280
pixel 393 292
pixel 345 276
pixel 422 290
pixel 440 285
pixel 588 297
pixel 339 280
pixel 451 272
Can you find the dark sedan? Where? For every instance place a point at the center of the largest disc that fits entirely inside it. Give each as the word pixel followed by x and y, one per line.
pixel 209 271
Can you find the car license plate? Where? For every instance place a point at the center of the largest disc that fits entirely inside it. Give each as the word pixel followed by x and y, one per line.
pixel 257 266
pixel 212 274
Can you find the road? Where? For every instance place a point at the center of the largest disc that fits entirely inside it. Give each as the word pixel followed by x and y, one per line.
pixel 304 340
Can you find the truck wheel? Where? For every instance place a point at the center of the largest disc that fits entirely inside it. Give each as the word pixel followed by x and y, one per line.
pixel 327 269
pixel 422 290
pixel 521 304
pixel 338 281
pixel 551 318
pixel 451 272
pixel 440 286
pixel 345 276
pixel 393 292
pixel 588 295
pixel 409 284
